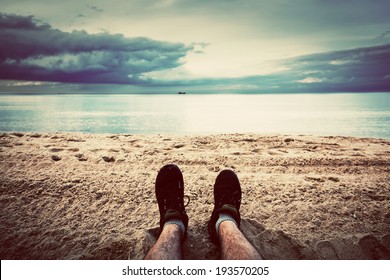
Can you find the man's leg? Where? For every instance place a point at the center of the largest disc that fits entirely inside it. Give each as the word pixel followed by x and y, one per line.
pixel 225 220
pixel 168 245
pixel 169 189
pixel 234 245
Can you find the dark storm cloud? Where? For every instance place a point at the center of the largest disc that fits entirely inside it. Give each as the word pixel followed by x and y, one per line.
pixel 356 70
pixel 32 50
pixel 362 69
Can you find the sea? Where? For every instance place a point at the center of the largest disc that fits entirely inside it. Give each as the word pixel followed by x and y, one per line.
pixel 336 114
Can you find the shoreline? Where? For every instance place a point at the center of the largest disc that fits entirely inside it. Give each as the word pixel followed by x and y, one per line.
pixel 39 134
pixel 91 196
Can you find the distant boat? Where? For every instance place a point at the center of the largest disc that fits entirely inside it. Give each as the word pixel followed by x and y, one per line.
pixel 181 92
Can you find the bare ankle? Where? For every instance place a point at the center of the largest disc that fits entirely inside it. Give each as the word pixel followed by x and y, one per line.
pixel 173 229
pixel 227 226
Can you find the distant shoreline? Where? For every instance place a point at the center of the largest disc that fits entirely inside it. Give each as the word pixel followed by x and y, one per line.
pixel 192 93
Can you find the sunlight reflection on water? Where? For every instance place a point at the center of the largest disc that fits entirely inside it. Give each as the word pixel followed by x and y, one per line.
pixel 365 115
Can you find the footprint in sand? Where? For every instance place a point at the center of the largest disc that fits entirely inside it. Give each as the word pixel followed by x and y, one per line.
pixel 178 146
pixel 36 135
pixel 55 157
pixel 274 153
pixel 18 134
pixel 320 180
pixel 326 251
pixel 75 140
pixel 108 159
pixel 334 179
pixel 374 249
pixel 56 150
pixel 81 157
pixel 288 140
pixel 386 241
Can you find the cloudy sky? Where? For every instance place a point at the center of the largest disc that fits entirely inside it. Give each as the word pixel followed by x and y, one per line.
pixel 197 46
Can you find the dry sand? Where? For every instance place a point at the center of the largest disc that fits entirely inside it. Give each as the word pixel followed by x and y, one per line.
pixel 80 196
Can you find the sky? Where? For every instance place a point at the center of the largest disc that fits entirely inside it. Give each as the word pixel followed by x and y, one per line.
pixel 205 46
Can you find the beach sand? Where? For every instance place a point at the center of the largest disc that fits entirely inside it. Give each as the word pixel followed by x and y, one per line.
pixel 81 196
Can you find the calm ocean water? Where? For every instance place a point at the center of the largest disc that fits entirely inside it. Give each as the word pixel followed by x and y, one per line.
pixel 365 115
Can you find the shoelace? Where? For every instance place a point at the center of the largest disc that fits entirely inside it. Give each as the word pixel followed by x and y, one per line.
pixel 179 206
pixel 188 200
pixel 176 201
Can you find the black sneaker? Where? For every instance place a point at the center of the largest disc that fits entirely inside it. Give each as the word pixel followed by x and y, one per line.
pixel 170 196
pixel 227 199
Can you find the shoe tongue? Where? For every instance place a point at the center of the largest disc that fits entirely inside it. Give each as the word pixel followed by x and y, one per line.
pixel 171 214
pixel 228 208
